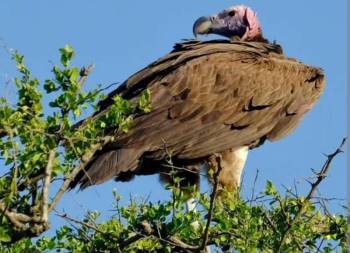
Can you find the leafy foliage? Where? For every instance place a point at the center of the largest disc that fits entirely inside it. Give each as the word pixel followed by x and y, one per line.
pixel 255 225
pixel 28 134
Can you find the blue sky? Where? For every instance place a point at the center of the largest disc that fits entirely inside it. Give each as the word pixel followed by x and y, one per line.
pixel 120 37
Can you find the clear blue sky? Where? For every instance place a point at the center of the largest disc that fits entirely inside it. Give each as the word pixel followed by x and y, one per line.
pixel 120 37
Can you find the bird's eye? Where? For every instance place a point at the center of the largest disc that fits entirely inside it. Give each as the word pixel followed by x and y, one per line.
pixel 232 13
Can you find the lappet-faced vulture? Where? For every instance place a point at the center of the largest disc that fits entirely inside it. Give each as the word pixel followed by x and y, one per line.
pixel 216 97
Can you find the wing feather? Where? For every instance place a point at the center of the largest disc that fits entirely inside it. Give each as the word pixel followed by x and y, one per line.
pixel 209 97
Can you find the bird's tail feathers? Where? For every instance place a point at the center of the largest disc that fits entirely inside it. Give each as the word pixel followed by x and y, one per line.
pixel 106 165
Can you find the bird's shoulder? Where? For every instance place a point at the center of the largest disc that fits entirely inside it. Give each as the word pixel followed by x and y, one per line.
pixel 258 56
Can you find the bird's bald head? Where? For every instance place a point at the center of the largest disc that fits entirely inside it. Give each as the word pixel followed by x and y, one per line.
pixel 237 22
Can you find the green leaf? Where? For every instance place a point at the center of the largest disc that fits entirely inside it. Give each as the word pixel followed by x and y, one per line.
pixel 4 236
pixel 145 101
pixel 76 112
pixel 13 187
pixel 270 189
pixel 50 86
pixel 73 75
pixel 67 53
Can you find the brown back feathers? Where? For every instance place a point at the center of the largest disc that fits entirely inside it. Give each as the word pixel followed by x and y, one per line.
pixel 207 97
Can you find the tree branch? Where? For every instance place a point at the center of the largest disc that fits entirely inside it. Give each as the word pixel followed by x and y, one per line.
pixel 254 185
pixel 2 133
pixel 19 220
pixel 85 224
pixel 12 217
pixel 212 202
pixel 47 182
pixel 320 177
pixel 68 179
pixel 178 243
pixel 84 72
pixel 174 241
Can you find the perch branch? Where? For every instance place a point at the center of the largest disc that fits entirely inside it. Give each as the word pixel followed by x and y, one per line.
pixel 212 202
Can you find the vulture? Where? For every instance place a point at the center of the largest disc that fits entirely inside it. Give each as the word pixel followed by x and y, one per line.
pixel 217 98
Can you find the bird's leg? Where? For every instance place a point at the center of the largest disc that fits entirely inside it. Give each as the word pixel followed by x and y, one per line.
pixel 191 207
pixel 191 203
pixel 232 163
pixel 190 177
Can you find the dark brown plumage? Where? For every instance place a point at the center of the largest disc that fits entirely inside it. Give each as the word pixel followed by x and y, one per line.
pixel 206 98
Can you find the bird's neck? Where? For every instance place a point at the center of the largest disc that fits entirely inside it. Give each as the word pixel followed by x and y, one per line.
pixel 260 38
pixel 255 34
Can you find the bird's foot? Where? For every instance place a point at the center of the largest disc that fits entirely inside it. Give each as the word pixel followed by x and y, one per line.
pixel 215 160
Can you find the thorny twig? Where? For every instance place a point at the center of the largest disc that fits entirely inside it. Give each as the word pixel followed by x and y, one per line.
pixel 320 177
pixel 271 223
pixel 182 169
pixel 254 185
pixel 85 224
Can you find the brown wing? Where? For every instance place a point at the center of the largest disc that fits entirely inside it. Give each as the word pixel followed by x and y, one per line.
pixel 207 98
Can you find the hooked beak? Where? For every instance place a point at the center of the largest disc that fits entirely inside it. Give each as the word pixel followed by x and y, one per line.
pixel 203 25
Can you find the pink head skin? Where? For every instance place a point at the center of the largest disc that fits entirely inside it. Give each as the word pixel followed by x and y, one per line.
pixel 235 22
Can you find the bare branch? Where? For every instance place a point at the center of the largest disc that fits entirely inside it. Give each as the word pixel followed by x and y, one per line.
pixel 12 217
pixel 85 224
pixel 319 246
pixel 47 182
pixel 70 177
pixel 85 71
pixel 19 220
pixel 271 223
pixel 107 87
pixel 320 177
pixel 212 202
pixel 181 169
pixel 254 185
pixel 181 244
